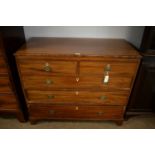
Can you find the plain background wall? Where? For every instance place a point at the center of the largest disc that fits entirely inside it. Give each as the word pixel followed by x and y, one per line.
pixel 132 34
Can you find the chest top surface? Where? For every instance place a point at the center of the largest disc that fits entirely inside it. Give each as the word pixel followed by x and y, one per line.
pixel 78 46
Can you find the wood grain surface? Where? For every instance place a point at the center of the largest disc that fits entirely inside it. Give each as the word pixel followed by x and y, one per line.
pixel 78 97
pixel 76 112
pixel 8 102
pixel 73 46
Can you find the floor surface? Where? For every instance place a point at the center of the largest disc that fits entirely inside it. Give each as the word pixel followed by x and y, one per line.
pixel 137 122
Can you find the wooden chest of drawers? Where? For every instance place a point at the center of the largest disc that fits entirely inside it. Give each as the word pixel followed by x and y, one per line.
pixel 77 79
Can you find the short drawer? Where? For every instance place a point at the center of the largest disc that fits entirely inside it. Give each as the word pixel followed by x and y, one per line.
pixel 114 82
pixel 8 102
pixel 79 97
pixel 43 67
pixel 3 67
pixel 5 85
pixel 49 82
pixel 116 68
pixel 76 112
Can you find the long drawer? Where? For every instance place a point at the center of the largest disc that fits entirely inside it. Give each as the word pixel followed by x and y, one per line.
pixel 48 82
pixel 43 67
pixel 5 85
pixel 76 112
pixel 8 102
pixel 79 97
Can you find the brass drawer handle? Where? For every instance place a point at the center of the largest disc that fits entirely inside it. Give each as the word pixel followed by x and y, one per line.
pixel 47 68
pixel 50 96
pixel 76 108
pixel 48 82
pixel 107 68
pixel 103 97
pixel 100 113
pixel 51 112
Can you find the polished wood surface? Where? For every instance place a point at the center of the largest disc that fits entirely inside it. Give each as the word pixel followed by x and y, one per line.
pixel 73 46
pixel 39 67
pixel 68 76
pixel 79 97
pixel 98 68
pixel 5 85
pixel 8 102
pixel 76 112
pixel 49 82
pixel 115 82
pixel 55 82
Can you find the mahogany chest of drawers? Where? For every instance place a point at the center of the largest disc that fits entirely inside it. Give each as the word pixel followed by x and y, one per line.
pixel 11 38
pixel 77 79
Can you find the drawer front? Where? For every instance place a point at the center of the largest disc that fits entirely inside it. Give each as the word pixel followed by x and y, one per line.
pixel 44 67
pixel 77 112
pixel 49 82
pixel 79 97
pixel 8 102
pixel 53 82
pixel 98 68
pixel 3 67
pixel 115 82
pixel 5 85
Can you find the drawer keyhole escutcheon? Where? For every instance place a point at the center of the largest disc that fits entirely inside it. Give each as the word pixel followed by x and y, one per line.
pixel 50 96
pixel 76 93
pixel 47 67
pixel 51 112
pixel 76 108
pixel 77 79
